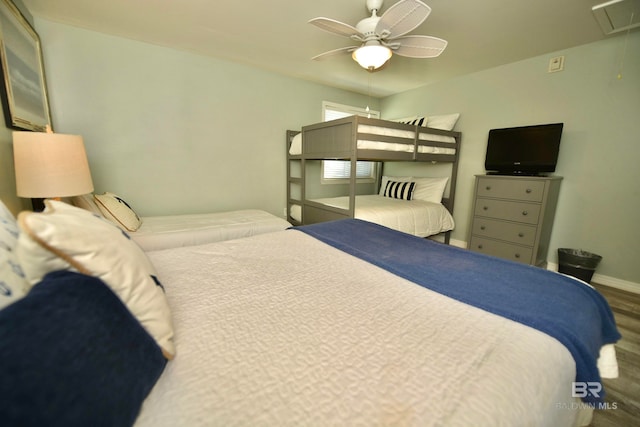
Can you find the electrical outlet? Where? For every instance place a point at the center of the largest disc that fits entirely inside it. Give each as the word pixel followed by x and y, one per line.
pixel 556 64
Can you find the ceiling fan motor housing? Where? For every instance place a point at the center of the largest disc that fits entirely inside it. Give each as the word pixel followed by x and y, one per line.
pixel 367 27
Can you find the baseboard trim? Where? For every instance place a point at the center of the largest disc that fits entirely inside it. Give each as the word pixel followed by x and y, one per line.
pixel 458 243
pixel 624 285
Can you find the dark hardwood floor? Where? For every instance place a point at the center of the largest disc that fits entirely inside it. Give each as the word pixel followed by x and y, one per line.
pixel 623 393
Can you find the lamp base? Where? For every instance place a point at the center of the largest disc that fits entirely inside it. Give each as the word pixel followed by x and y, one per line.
pixel 37 205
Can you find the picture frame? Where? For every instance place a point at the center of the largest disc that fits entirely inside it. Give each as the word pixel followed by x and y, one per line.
pixel 24 90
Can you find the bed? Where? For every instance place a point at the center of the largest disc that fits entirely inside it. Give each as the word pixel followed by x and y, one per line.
pixel 357 138
pixel 337 323
pixel 170 231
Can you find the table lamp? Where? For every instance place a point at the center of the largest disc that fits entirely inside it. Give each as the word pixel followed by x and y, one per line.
pixel 50 165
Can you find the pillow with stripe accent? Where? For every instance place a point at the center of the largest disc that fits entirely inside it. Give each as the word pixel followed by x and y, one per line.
pixel 399 190
pixel 65 237
pixel 418 121
pixel 115 209
pixel 385 179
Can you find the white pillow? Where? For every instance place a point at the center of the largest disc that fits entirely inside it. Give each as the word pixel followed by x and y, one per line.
pixel 443 122
pixel 64 237
pixel 429 189
pixel 13 283
pixel 385 179
pixel 114 208
pixel 86 202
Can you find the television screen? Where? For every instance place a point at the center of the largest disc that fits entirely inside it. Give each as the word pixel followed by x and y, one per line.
pixel 526 150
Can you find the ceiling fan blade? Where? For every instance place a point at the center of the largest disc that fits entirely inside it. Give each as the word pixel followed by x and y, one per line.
pixel 401 18
pixel 335 52
pixel 335 27
pixel 418 46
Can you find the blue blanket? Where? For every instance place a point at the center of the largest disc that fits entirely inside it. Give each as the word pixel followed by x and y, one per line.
pixel 73 355
pixel 575 314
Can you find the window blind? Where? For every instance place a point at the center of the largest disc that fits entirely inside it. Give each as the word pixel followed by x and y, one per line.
pixel 340 169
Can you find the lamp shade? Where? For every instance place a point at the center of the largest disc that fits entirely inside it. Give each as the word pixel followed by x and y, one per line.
pixel 50 165
pixel 372 56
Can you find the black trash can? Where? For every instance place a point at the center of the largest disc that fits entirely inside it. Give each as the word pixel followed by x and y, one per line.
pixel 578 263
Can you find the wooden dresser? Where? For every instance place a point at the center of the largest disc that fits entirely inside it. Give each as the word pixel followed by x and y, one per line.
pixel 513 217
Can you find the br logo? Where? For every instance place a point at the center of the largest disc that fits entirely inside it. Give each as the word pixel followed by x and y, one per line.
pixel 584 389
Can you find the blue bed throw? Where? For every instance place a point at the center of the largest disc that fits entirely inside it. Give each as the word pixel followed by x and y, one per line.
pixel 73 355
pixel 576 315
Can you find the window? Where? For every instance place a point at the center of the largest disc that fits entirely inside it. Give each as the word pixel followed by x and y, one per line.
pixel 339 171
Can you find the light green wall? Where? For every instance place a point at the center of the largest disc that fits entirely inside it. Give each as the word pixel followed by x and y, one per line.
pixel 600 149
pixel 175 132
pixel 171 131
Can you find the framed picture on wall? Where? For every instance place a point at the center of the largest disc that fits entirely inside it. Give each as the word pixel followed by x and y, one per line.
pixel 24 92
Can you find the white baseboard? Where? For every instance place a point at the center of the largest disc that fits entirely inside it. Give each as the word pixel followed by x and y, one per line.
pixel 458 243
pixel 613 282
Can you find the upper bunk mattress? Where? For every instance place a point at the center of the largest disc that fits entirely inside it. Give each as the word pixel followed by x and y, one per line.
pixel 171 231
pixel 368 144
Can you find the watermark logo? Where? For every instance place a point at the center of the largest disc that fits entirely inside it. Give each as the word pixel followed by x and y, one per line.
pixel 586 389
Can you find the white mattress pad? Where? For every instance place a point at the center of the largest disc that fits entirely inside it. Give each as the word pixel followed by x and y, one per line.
pixel 162 232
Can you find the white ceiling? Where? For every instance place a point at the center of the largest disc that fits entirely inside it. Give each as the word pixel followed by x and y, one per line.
pixel 274 35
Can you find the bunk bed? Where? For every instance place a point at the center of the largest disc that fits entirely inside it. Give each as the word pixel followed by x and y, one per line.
pixel 358 138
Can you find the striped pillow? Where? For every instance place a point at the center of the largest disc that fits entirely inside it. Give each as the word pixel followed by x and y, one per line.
pixel 419 121
pixel 399 190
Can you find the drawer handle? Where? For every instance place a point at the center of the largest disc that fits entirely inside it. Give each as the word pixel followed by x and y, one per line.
pixel 528 190
pixel 488 187
pixel 479 246
pixel 485 208
pixel 517 256
pixel 520 234
pixel 482 227
pixel 525 213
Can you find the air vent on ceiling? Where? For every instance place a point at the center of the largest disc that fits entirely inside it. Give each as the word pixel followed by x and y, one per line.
pixel 617 15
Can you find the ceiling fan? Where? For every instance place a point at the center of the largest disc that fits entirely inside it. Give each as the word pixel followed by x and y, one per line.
pixel 380 36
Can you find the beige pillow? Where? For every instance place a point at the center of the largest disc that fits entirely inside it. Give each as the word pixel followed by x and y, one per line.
pixel 115 209
pixel 64 237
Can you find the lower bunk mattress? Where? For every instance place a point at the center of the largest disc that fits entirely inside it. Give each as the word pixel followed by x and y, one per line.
pixel 170 231
pixel 417 217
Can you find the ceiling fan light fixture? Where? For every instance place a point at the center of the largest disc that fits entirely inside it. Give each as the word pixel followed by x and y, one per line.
pixel 372 57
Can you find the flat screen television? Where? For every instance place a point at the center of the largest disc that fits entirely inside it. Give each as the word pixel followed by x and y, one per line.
pixel 524 150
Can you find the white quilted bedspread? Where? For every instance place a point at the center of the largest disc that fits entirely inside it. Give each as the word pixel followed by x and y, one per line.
pixel 174 231
pixel 416 217
pixel 282 330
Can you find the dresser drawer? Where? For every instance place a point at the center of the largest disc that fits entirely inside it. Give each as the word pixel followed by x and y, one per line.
pixel 511 211
pixel 501 249
pixel 521 189
pixel 517 233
